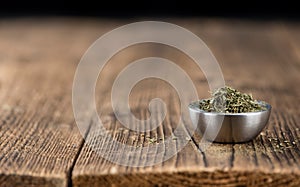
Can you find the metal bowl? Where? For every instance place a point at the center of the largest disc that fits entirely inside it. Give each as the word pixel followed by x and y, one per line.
pixel 229 127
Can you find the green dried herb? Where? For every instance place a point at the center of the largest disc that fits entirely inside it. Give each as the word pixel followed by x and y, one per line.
pixel 229 100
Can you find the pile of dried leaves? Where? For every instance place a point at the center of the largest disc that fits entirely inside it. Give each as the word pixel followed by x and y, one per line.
pixel 229 100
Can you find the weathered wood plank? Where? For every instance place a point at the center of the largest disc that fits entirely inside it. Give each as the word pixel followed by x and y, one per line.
pixel 252 59
pixel 39 140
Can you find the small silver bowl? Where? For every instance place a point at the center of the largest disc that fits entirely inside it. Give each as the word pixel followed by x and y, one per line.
pixel 229 127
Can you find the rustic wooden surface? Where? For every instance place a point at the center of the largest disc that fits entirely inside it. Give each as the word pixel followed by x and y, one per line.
pixel 40 144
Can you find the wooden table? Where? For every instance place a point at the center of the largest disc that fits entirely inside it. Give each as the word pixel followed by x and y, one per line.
pixel 40 144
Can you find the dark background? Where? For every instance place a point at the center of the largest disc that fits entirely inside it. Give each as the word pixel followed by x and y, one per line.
pixel 153 8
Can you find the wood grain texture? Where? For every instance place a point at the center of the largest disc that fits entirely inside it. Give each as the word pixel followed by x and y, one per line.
pixel 39 140
pixel 254 57
pixel 40 144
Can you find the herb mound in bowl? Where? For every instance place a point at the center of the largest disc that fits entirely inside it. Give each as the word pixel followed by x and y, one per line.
pixel 229 100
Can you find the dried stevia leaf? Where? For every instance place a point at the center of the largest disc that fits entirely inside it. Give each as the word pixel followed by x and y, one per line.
pixel 229 100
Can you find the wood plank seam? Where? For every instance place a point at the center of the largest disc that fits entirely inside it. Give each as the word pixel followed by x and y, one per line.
pixel 69 175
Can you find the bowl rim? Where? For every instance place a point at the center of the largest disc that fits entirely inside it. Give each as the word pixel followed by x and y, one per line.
pixel 193 106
